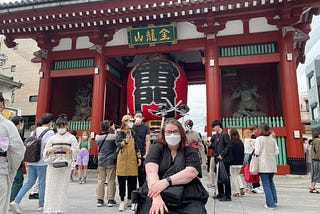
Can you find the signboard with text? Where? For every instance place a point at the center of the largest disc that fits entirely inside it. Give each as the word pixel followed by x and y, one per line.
pixel 152 35
pixel 9 112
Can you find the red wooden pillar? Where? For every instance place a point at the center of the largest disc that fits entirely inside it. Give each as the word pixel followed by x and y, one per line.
pixel 212 82
pixel 98 94
pixel 44 91
pixel 290 103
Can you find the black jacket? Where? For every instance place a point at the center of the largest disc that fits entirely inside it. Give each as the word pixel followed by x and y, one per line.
pixel 222 146
pixel 237 152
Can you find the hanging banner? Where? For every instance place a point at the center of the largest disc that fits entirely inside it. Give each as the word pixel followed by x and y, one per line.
pixel 152 35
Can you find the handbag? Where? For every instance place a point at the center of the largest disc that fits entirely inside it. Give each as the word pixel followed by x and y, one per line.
pixel 254 165
pixel 60 163
pixel 172 195
pixel 247 175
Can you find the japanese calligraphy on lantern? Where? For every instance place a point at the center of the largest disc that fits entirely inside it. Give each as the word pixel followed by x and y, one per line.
pixel 152 35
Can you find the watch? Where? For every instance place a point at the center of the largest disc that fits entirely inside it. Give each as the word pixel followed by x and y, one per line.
pixel 169 181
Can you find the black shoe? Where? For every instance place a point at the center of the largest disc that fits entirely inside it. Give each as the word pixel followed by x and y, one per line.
pixel 225 198
pixel 217 196
pixel 34 196
pixel 112 203
pixel 100 203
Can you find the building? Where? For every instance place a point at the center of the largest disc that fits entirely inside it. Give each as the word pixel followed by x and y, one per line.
pixel 245 51
pixel 305 114
pixel 7 88
pixel 19 66
pixel 313 84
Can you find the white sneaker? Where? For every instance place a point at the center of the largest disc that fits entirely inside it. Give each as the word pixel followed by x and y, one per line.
pixel 134 206
pixel 258 190
pixel 15 207
pixel 121 206
pixel 40 208
pixel 270 208
pixel 129 203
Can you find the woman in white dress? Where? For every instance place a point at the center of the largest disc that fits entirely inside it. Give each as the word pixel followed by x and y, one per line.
pixel 60 151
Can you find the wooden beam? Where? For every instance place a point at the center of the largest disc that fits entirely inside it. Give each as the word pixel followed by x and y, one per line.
pixel 72 54
pixel 72 72
pixel 252 38
pixel 196 77
pixel 185 45
pixel 115 80
pixel 251 59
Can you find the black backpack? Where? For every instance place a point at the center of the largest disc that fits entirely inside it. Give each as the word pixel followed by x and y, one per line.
pixel 33 147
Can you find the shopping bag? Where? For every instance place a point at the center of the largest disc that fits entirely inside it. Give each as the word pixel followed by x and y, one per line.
pixel 223 175
pixel 248 177
pixel 254 165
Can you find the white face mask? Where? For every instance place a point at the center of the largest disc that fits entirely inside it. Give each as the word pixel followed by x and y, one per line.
pixel 173 140
pixel 130 125
pixel 138 120
pixel 85 137
pixel 62 131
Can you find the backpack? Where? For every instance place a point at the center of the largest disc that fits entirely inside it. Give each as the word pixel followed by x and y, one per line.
pixel 33 147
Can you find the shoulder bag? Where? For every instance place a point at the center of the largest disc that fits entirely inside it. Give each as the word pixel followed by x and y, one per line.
pixel 254 165
pixel 61 161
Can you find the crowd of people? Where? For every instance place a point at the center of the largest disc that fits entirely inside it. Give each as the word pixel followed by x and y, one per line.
pixel 153 177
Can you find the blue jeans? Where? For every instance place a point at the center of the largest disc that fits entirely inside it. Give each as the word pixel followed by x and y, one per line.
pixel 34 172
pixel 269 189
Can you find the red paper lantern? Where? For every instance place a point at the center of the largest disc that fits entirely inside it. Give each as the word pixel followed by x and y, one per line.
pixel 150 82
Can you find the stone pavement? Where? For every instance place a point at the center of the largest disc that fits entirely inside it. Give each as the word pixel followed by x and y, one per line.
pixel 293 196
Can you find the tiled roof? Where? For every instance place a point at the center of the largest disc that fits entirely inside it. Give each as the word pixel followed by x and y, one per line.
pixel 8 81
pixel 27 3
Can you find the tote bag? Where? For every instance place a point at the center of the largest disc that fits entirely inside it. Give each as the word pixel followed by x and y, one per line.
pixel 254 165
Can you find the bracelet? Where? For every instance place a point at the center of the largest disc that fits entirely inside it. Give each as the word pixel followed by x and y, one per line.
pixel 169 181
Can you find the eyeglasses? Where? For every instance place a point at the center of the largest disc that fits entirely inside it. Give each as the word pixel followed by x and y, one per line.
pixel 169 132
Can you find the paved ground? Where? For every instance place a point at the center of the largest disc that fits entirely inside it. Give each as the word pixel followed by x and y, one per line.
pixel 293 195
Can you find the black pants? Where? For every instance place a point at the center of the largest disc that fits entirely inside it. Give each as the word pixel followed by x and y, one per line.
pixel 131 185
pixel 141 173
pixel 189 207
pixel 225 188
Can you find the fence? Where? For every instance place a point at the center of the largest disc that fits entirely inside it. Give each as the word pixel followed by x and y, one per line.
pixel 245 122
pixel 281 158
pixel 79 125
